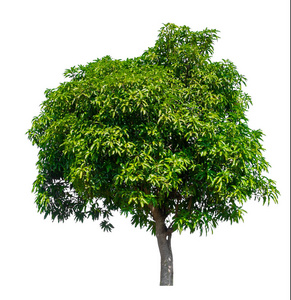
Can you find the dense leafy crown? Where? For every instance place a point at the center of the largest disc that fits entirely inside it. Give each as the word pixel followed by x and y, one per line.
pixel 166 129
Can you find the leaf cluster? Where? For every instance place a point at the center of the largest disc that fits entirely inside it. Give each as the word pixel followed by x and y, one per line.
pixel 166 129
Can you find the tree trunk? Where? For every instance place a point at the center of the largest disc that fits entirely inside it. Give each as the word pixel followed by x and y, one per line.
pixel 164 242
pixel 164 235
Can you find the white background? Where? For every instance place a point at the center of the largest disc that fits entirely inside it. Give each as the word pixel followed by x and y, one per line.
pixel 44 260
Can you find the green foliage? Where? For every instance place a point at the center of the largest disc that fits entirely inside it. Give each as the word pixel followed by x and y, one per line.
pixel 166 129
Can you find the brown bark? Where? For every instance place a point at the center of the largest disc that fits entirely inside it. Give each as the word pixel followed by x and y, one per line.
pixel 164 235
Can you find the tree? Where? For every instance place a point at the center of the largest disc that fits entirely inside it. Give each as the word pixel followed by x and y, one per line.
pixel 162 137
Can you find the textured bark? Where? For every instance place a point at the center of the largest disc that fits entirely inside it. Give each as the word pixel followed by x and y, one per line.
pixel 164 235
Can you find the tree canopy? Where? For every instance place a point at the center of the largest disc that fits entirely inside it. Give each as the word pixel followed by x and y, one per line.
pixel 167 129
